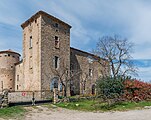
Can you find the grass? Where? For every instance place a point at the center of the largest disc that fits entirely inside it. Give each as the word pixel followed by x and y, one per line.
pixel 12 112
pixel 90 105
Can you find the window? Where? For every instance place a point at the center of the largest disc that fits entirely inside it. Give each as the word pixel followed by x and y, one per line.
pixel 30 42
pixel 90 72
pixel 56 62
pixel 8 55
pixel 54 83
pixel 56 25
pixel 61 87
pixel 56 42
pixel 56 37
pixel 17 87
pixel 17 77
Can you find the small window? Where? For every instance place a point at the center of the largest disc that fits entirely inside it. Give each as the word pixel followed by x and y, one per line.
pixel 54 83
pixel 61 87
pixel 56 38
pixel 30 42
pixel 17 87
pixel 56 25
pixel 90 72
pixel 56 62
pixel 10 79
pixel 11 66
pixel 56 42
pixel 17 77
pixel 5 55
pixel 13 56
pixel 8 55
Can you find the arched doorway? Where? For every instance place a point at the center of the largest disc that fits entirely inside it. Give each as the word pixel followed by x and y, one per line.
pixel 54 83
pixel 93 89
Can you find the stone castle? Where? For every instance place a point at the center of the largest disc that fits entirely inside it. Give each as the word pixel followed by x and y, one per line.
pixel 48 61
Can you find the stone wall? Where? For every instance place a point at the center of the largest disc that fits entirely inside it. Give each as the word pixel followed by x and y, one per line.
pixel 27 96
pixel 19 81
pixel 49 51
pixel 32 55
pixel 90 69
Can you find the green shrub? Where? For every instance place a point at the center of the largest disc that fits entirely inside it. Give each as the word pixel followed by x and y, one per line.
pixel 110 88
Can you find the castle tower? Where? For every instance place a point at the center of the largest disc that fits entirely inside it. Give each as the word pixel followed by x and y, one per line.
pixel 7 69
pixel 46 49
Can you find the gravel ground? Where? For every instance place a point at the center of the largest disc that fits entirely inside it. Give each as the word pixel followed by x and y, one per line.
pixel 43 113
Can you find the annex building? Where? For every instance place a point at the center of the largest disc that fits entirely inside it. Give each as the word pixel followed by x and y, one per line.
pixel 48 61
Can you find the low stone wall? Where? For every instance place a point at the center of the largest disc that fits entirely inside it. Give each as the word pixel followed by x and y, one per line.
pixel 27 96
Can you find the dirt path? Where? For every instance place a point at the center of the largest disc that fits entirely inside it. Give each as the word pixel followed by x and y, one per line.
pixel 43 113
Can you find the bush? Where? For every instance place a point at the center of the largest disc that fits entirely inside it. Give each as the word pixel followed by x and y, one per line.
pixel 136 90
pixel 110 88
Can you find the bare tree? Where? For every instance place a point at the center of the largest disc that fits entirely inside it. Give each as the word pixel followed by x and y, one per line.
pixel 117 52
pixel 65 77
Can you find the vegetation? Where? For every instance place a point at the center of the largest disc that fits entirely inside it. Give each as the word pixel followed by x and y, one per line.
pixel 123 89
pixel 117 51
pixel 137 90
pixel 110 88
pixel 12 112
pixel 91 105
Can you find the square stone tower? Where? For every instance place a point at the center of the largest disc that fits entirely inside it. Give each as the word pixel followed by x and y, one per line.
pixel 46 51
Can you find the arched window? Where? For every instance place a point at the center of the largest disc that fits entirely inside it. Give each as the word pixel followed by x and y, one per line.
pixel 54 83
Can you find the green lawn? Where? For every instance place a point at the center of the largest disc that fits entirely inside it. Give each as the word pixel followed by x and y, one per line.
pixel 90 105
pixel 12 112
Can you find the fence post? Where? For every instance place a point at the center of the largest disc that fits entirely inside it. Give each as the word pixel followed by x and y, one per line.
pixel 55 92
pixel 33 98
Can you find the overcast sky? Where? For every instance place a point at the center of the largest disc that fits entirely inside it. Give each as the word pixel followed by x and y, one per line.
pixel 90 20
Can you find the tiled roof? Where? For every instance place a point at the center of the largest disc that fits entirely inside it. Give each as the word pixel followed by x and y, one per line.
pixel 9 51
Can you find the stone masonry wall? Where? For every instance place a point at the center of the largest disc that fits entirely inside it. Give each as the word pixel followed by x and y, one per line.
pixel 32 55
pixel 19 81
pixel 48 50
pixel 90 69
